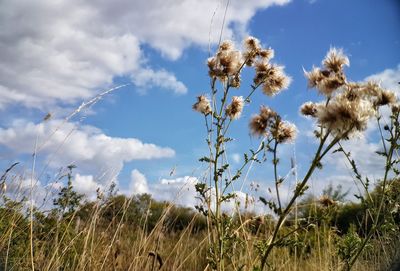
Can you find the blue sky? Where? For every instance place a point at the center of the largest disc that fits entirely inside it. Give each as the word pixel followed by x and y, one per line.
pixel 57 54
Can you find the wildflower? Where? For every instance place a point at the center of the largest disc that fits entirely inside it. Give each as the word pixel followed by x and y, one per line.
pixel 266 54
pixel 259 123
pixel 202 105
pixel 309 109
pixel 235 81
pixel 230 60
pixel 395 108
pixel 314 76
pixel 335 60
pixel 331 83
pixel 226 45
pixel 326 201
pixel 234 110
pixel 370 88
pixel 227 62
pixel 267 113
pixel 385 97
pixel 332 77
pixel 212 67
pixel 354 91
pixel 345 117
pixel 272 78
pixel 252 44
pixel 284 131
pixel 325 81
pixel 373 92
pixel 252 48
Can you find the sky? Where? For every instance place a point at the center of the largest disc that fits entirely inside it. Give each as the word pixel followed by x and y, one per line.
pixel 58 55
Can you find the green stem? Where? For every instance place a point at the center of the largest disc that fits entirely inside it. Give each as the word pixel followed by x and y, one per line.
pixel 219 141
pixel 376 223
pixel 275 162
pixel 297 193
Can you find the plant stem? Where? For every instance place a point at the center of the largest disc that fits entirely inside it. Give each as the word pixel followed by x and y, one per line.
pixel 277 181
pixel 220 121
pixel 393 140
pixel 297 193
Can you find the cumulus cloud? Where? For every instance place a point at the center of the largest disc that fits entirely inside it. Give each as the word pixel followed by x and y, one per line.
pixel 85 184
pixel 89 148
pixel 388 78
pixel 148 78
pixel 138 184
pixel 179 190
pixel 364 153
pixel 67 50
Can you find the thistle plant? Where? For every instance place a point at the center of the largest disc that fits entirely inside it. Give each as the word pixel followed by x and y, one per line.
pixel 220 111
pixel 343 114
pixel 390 135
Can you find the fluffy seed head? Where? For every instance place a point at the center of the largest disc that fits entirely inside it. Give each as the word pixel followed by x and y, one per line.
pixel 202 105
pixel 386 97
pixel 371 88
pixel 267 113
pixel 235 81
pixel 226 45
pixel 252 47
pixel 326 201
pixel 235 108
pixel 331 83
pixel 396 108
pixel 252 44
pixel 272 78
pixel 344 117
pixel 325 81
pixel 267 54
pixel 258 126
pixel 314 76
pixel 308 109
pixel 227 62
pixel 284 131
pixel 260 122
pixel 335 60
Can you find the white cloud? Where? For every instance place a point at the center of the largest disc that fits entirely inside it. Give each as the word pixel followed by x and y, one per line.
pixel 388 78
pixel 67 50
pixel 147 78
pixel 346 181
pixel 364 153
pixel 138 183
pixel 86 146
pixel 181 191
pixel 85 184
pixel 236 158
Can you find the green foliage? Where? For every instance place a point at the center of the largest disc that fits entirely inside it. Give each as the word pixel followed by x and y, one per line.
pixel 348 245
pixel 68 200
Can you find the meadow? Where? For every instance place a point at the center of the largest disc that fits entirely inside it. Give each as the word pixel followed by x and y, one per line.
pixel 308 232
